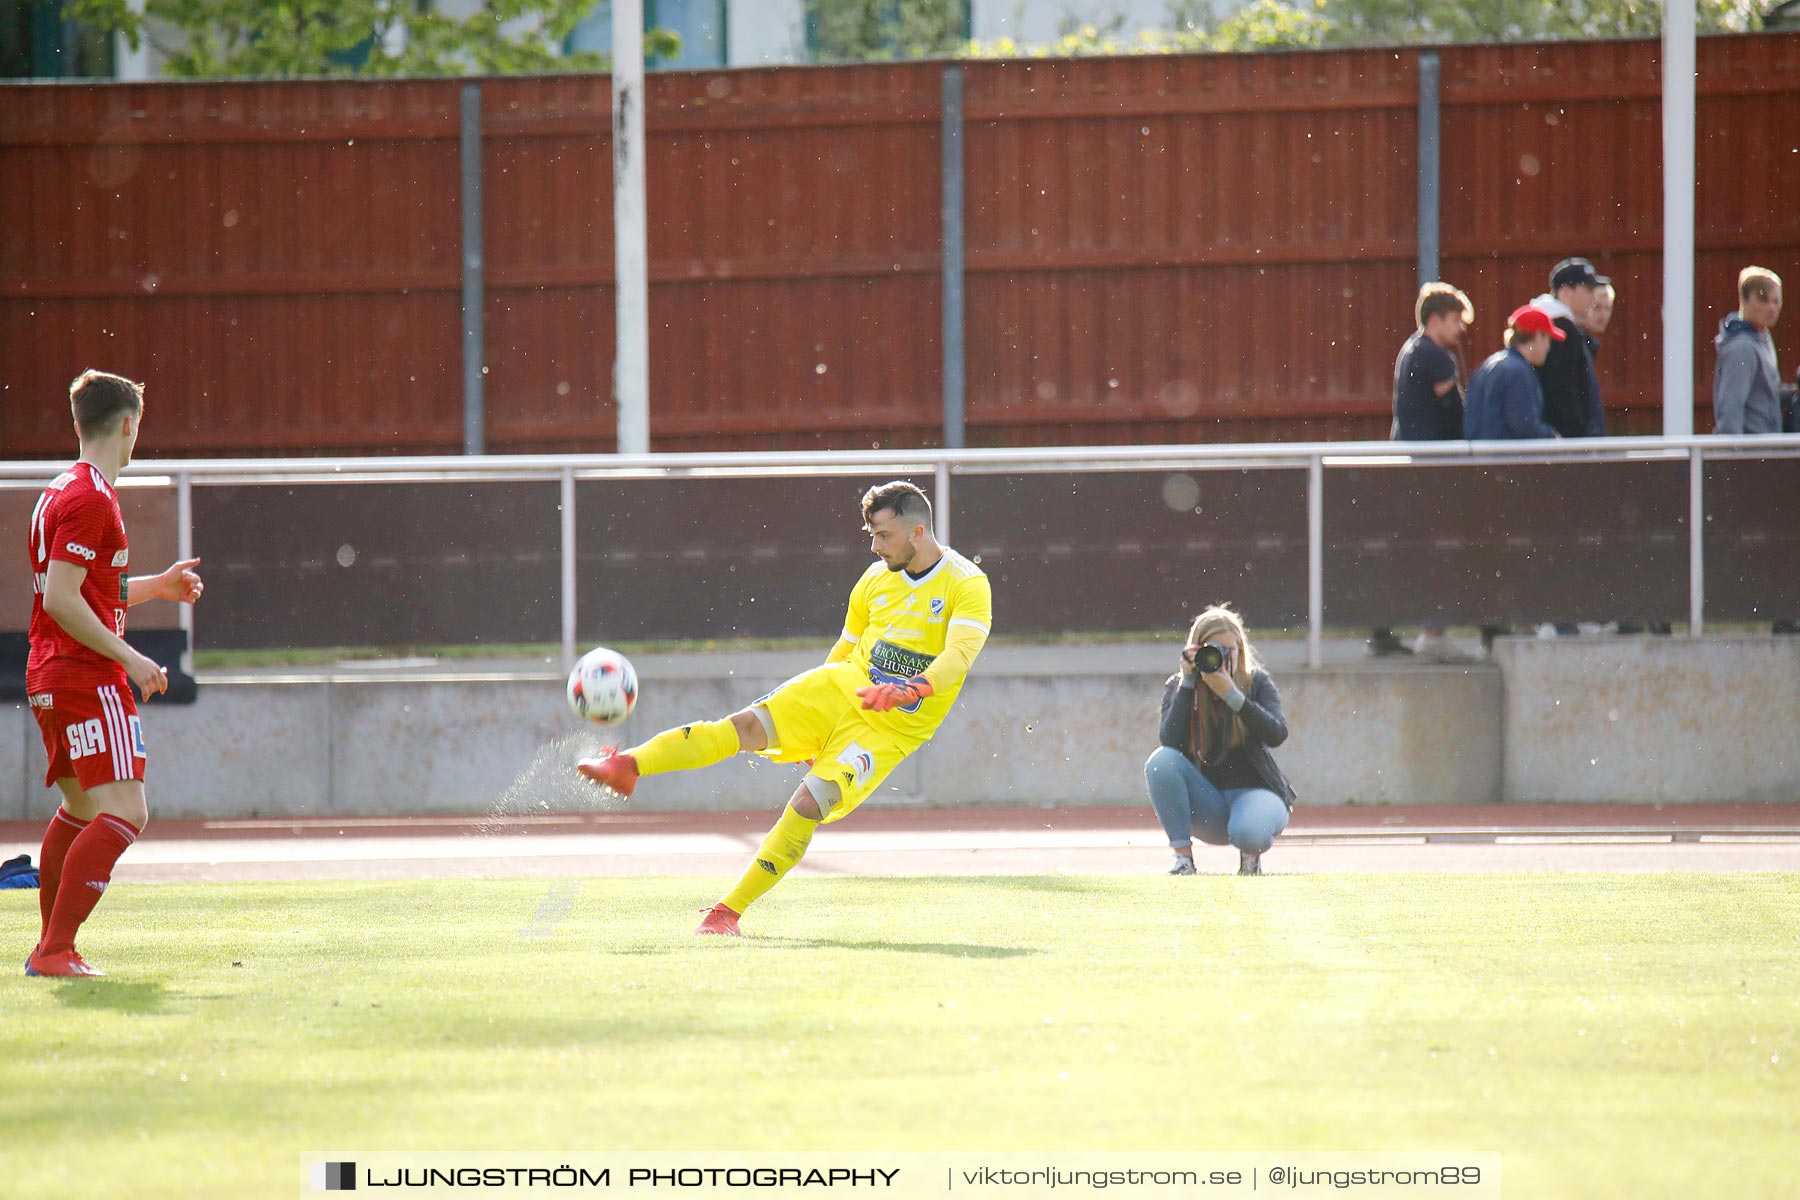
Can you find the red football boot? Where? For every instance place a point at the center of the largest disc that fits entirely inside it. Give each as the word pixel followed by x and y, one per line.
pixel 67 965
pixel 720 919
pixel 611 770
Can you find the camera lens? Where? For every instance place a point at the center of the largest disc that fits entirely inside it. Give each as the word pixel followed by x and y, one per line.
pixel 1209 658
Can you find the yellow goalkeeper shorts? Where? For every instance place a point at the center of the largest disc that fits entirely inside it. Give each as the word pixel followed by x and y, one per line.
pixel 817 716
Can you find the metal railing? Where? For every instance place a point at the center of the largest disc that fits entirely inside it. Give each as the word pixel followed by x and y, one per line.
pixel 1316 459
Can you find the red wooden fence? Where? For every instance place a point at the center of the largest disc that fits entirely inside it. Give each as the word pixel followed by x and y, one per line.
pixel 1209 248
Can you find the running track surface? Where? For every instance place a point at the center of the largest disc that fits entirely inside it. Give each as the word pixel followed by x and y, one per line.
pixel 1457 839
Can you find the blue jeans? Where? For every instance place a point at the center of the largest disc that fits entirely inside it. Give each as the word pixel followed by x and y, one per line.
pixel 1187 803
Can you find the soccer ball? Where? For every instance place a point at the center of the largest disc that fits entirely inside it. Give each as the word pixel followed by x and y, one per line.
pixel 602 688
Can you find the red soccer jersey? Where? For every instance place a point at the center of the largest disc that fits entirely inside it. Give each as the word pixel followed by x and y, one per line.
pixel 77 520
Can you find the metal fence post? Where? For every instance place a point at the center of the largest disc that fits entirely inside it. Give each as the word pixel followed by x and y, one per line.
pixel 1315 561
pixel 631 263
pixel 184 550
pixel 1429 166
pixel 940 503
pixel 567 506
pixel 953 333
pixel 1696 543
pixel 1678 119
pixel 473 283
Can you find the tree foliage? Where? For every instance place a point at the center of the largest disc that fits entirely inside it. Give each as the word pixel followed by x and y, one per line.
pixel 278 39
pixel 873 30
pixel 1287 24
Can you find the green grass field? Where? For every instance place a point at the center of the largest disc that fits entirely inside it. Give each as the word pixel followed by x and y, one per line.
pixel 1610 1036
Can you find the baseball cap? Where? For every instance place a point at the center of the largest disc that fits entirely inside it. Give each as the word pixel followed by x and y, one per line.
pixel 1527 319
pixel 1576 272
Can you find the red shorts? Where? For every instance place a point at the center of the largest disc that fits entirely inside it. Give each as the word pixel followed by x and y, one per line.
pixel 91 733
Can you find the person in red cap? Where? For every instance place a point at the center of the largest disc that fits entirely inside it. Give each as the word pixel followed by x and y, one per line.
pixel 1505 398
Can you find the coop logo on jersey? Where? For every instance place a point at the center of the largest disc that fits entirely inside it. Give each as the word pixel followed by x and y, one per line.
pixel 77 548
pixel 860 762
pixel 124 556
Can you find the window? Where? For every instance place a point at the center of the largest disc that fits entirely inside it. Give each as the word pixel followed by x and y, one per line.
pixel 37 43
pixel 864 30
pixel 701 24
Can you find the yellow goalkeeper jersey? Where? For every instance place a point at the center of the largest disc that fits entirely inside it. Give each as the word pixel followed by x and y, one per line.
pixel 898 627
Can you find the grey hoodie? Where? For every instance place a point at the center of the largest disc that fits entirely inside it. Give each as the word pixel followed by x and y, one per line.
pixel 1746 381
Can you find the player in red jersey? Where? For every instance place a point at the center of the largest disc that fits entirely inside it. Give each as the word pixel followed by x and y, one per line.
pixel 80 664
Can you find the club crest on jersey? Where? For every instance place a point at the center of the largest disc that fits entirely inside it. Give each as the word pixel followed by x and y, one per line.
pixel 937 606
pixel 123 557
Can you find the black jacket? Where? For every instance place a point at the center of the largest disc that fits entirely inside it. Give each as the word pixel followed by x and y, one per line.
pixel 1571 385
pixel 1264 727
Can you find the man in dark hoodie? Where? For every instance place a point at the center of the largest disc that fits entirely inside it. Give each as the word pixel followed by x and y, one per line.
pixel 1747 381
pixel 1571 386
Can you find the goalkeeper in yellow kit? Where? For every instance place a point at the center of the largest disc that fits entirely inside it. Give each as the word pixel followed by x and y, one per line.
pixel 916 621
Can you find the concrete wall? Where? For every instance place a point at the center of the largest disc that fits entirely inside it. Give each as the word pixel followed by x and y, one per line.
pixel 1626 720
pixel 1652 720
pixel 21 764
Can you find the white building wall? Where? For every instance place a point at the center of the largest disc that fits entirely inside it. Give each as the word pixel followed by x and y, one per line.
pixel 768 33
pixel 1035 21
pixel 771 32
pixel 765 33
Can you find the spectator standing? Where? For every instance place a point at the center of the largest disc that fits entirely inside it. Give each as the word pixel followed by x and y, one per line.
pixel 1593 327
pixel 1747 391
pixel 1428 391
pixel 1747 380
pixel 1506 401
pixel 1599 316
pixel 1428 407
pixel 1571 386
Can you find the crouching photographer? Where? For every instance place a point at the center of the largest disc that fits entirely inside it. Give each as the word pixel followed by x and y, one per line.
pixel 1213 774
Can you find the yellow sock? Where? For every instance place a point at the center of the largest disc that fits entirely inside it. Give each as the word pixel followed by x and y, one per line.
pixel 778 853
pixel 687 746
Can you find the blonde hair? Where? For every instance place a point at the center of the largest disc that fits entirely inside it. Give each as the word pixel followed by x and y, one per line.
pixel 1759 281
pixel 1217 619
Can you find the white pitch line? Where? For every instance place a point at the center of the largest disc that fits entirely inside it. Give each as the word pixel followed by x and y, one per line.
pixel 612 845
pixel 1584 839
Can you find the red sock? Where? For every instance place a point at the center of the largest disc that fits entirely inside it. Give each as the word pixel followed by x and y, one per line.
pixel 87 869
pixel 57 840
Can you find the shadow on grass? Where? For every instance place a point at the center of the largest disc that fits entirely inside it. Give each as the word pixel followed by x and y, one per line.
pixel 947 949
pixel 139 998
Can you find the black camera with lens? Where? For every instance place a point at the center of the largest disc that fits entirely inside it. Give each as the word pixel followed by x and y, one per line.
pixel 1209 658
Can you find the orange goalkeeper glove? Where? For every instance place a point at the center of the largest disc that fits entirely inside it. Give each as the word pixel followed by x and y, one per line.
pixel 883 696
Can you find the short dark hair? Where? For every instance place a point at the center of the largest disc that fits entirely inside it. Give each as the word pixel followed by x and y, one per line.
pixel 907 502
pixel 1518 337
pixel 98 399
pixel 1435 298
